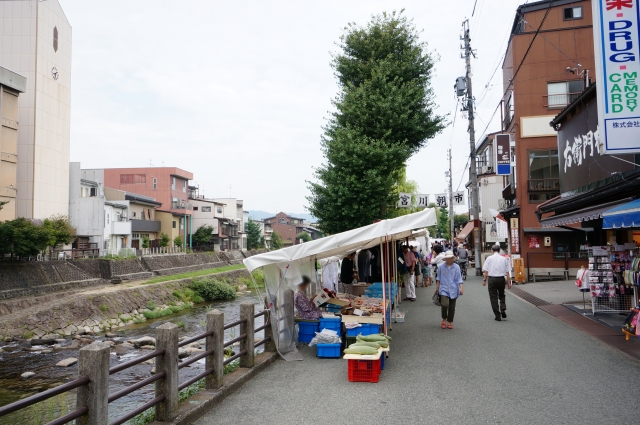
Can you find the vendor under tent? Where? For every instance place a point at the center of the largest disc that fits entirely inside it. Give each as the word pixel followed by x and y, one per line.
pixel 284 268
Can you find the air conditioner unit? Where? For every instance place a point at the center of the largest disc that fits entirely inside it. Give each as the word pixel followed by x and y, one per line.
pixel 502 204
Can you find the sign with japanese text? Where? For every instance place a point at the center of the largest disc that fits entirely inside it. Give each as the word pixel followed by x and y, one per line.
pixel 423 201
pixel 534 241
pixel 404 200
pixel 503 154
pixel 442 200
pixel 515 236
pixel 617 57
pixel 502 230
pixel 458 198
pixel 580 157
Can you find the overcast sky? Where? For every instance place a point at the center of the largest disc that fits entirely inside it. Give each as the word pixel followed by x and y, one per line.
pixel 237 92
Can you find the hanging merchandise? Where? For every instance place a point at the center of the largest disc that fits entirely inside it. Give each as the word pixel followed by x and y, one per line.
pixel 613 278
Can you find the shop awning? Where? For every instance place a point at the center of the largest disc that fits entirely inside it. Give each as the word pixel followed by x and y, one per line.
pixel 585 214
pixel 555 229
pixel 622 216
pixel 466 230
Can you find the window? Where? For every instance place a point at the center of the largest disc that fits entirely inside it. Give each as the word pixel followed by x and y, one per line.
pixel 184 186
pixel 107 218
pixel 133 178
pixel 134 214
pixel 173 183
pixel 206 209
pixel 55 39
pixel 196 209
pixel 282 220
pixel 571 13
pixel 173 224
pixel 565 242
pixel 155 183
pixel 544 181
pixel 219 209
pixel 563 93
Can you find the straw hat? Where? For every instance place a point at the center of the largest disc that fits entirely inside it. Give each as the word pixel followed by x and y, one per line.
pixel 449 254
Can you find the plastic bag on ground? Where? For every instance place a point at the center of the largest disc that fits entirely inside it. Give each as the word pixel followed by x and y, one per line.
pixel 327 336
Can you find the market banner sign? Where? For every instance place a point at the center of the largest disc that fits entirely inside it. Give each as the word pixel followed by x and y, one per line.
pixel 502 229
pixel 503 154
pixel 442 200
pixel 616 42
pixel 458 198
pixel 423 201
pixel 404 200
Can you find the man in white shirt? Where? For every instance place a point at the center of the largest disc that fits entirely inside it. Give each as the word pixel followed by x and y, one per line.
pixel 498 271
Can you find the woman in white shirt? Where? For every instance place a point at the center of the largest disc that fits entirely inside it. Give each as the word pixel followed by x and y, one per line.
pixel 438 258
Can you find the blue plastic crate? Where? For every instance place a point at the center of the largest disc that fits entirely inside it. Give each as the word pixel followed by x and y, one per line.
pixel 329 351
pixel 334 308
pixel 365 329
pixel 382 361
pixel 307 331
pixel 332 324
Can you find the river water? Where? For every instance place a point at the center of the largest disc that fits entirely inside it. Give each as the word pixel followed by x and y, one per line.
pixel 13 364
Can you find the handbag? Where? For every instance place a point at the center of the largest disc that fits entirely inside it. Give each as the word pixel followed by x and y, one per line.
pixel 579 281
pixel 436 299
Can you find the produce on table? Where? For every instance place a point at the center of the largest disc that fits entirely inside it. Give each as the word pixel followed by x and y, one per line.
pixel 370 344
pixel 361 349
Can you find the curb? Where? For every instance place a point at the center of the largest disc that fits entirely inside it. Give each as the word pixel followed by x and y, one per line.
pixel 193 408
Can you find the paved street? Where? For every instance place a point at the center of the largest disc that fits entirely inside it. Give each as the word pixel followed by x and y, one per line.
pixel 532 368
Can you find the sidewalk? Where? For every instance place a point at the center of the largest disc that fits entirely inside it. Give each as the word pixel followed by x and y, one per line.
pixel 530 368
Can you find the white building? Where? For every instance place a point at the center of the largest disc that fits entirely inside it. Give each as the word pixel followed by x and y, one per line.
pixel 117 227
pixel 36 43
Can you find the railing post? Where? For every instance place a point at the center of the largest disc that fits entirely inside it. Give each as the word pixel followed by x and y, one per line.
pixel 215 342
pixel 167 338
pixel 268 332
pixel 94 362
pixel 247 311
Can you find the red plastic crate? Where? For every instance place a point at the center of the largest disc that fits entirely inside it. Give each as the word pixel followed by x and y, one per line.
pixel 364 370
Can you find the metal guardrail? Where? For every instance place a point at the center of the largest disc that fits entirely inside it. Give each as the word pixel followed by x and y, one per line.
pixel 94 366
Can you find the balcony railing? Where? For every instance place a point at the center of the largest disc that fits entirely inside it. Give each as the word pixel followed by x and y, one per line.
pixel 559 100
pixel 544 185
pixel 181 206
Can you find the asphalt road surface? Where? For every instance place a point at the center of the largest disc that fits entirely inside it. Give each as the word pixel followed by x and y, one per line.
pixel 528 369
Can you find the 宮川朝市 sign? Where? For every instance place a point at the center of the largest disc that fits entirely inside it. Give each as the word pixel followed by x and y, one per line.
pixel 617 37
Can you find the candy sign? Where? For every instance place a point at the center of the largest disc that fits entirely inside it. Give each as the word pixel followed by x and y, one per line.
pixel 617 37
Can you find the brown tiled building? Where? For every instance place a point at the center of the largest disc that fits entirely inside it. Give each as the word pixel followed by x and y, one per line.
pixel 289 228
pixel 540 78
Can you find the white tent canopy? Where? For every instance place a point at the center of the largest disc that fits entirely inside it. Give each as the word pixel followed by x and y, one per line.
pixel 350 241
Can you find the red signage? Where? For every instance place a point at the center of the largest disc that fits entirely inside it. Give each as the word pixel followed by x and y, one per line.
pixel 534 241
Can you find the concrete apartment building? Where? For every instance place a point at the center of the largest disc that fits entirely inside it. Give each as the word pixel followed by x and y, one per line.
pixel 232 224
pixel 11 85
pixel 167 185
pixel 552 73
pixel 36 43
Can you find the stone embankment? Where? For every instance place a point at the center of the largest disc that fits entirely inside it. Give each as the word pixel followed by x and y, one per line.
pixel 101 309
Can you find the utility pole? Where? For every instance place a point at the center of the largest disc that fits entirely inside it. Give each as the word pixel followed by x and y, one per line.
pixel 475 210
pixel 451 215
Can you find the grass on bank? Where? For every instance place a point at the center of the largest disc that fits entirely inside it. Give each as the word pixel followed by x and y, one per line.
pixel 196 273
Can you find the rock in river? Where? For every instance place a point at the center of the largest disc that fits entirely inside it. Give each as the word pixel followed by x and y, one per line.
pixel 145 340
pixel 27 375
pixel 67 362
pixel 36 341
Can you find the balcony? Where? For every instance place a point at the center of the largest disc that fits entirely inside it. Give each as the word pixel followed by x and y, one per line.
pixel 144 226
pixel 544 185
pixel 120 227
pixel 182 206
pixel 559 101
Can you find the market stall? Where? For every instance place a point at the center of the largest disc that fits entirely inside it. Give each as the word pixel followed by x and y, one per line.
pixel 284 268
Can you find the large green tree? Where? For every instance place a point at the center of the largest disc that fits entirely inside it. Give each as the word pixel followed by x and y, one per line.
pixel 60 229
pixel 21 237
pixel 202 236
pixel 253 235
pixel 384 114
pixel 276 241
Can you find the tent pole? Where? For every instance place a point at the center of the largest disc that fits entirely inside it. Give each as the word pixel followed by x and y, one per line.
pixel 384 301
pixel 394 305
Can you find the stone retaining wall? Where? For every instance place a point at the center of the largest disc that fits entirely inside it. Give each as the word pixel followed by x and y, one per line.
pixel 68 314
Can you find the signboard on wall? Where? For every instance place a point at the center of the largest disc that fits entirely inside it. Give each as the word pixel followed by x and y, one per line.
pixel 503 154
pixel 617 58
pixel 534 241
pixel 580 157
pixel 515 236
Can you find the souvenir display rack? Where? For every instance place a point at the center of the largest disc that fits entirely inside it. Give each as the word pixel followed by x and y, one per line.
pixel 613 279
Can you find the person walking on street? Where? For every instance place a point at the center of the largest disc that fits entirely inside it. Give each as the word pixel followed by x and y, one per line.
pixel 409 277
pixel 449 287
pixel 348 273
pixel 497 270
pixel 418 267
